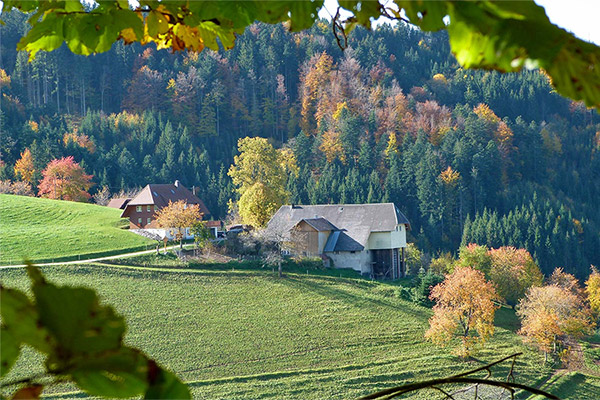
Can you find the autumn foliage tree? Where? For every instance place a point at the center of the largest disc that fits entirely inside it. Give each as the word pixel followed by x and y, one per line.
pixel 260 174
pixel 513 271
pixel 592 291
pixel 64 179
pixel 465 307
pixel 178 216
pixel 24 166
pixel 552 314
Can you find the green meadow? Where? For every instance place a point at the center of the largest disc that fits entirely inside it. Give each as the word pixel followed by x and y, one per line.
pixel 247 334
pixel 44 230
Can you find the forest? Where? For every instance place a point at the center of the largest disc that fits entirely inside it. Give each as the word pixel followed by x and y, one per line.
pixel 468 156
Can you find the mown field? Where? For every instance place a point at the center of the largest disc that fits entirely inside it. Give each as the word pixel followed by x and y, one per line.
pixel 246 334
pixel 47 230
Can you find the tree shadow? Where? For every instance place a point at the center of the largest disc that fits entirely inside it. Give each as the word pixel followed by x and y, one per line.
pixel 506 318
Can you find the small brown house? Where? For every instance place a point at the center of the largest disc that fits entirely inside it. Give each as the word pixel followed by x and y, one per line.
pixel 142 208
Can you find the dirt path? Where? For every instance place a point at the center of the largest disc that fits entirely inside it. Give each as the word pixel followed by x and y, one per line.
pixel 89 260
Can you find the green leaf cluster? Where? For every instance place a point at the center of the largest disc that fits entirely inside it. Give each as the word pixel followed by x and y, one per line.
pixel 505 35
pixel 82 341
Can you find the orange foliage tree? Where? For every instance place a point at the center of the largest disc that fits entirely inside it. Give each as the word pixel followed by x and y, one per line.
pixel 178 216
pixel 465 307
pixel 64 179
pixel 24 166
pixel 513 271
pixel 551 314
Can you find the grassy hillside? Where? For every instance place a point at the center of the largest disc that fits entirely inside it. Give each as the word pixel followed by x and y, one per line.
pixel 248 334
pixel 43 230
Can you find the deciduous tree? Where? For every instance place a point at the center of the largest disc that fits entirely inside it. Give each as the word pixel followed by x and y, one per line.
pixel 592 290
pixel 64 179
pixel 24 166
pixel 259 172
pixel 178 216
pixel 551 313
pixel 201 234
pixel 513 271
pixel 465 306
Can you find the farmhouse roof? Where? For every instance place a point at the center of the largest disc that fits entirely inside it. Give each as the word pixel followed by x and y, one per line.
pixel 119 202
pixel 320 224
pixel 340 241
pixel 357 221
pixel 160 195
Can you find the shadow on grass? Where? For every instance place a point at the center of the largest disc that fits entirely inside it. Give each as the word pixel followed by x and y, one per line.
pixel 367 303
pixel 400 376
pixel 506 318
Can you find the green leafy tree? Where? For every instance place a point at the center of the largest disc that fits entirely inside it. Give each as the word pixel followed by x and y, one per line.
pixel 202 234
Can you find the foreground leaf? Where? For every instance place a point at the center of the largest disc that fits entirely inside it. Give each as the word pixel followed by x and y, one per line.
pixel 29 392
pixel 165 385
pixel 21 318
pixel 9 350
pixel 120 374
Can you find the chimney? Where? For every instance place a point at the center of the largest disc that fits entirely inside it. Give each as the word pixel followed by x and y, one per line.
pixel 176 183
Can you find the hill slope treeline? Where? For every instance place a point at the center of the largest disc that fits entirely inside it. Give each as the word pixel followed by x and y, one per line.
pixel 466 155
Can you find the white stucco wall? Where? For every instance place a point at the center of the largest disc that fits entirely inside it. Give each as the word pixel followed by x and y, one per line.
pixel 388 240
pixel 165 232
pixel 359 261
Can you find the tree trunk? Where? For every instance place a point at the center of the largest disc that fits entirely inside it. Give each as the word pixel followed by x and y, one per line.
pixel 279 269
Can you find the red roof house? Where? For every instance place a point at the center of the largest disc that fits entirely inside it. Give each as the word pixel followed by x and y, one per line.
pixel 141 210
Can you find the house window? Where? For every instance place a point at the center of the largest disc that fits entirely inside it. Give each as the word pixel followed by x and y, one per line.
pixel 148 208
pixel 149 220
pixel 138 209
pixel 139 221
pixel 155 208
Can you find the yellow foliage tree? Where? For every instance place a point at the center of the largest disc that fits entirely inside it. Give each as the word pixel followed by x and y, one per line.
pixel 259 172
pixel 178 216
pixel 331 146
pixel 465 307
pixel 450 177
pixel 314 81
pixel 592 290
pixel 484 112
pixel 392 145
pixel 4 79
pixel 24 166
pixel 551 313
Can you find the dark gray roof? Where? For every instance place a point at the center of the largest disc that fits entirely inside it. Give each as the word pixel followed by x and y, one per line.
pixel 340 241
pixel 320 224
pixel 356 220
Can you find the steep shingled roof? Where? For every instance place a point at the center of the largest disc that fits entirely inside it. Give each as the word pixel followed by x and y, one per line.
pixel 357 221
pixel 160 195
pixel 320 224
pixel 120 202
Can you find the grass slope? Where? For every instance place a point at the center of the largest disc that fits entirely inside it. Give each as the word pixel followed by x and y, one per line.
pixel 250 335
pixel 43 230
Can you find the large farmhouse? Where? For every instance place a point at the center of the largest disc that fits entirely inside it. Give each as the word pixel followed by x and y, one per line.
pixel 370 238
pixel 141 210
